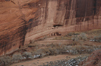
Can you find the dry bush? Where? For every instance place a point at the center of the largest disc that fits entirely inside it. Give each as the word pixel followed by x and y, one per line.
pixel 83 36
pixel 97 38
pixel 75 38
pixel 79 39
pixel 28 55
pixel 52 49
pixel 46 51
pixel 16 57
pixel 5 61
pixel 37 51
pixel 79 42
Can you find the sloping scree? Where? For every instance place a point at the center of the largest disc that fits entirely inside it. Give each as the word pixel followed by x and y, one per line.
pixel 71 62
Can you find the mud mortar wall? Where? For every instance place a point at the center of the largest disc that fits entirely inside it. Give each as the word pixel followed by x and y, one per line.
pixel 23 21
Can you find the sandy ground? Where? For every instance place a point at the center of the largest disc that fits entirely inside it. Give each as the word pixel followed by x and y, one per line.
pixel 52 40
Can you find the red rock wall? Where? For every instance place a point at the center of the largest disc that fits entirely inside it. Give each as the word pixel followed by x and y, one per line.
pixel 23 21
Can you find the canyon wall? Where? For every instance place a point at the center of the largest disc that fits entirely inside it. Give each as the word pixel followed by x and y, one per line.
pixel 23 21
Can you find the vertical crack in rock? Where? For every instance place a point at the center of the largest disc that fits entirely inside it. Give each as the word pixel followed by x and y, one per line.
pixel 23 28
pixel 67 14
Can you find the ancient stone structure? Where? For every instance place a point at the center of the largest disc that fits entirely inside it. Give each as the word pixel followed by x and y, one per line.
pixel 22 21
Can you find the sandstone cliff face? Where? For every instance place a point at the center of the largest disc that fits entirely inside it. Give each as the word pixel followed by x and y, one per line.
pixel 24 20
